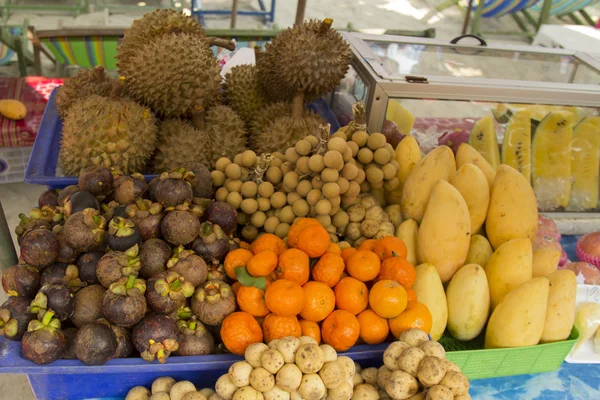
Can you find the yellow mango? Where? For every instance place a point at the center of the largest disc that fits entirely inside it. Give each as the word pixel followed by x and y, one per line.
pixel 473 186
pixel 435 166
pixel 430 291
pixel 508 267
pixel 445 232
pixel 518 320
pixel 546 255
pixel 560 314
pixel 480 251
pixel 468 298
pixel 13 109
pixel 408 155
pixel 467 154
pixel 407 232
pixel 513 212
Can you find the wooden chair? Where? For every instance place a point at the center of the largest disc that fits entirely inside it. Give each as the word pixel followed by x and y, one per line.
pixel 500 8
pixel 14 40
pixel 7 6
pixel 268 15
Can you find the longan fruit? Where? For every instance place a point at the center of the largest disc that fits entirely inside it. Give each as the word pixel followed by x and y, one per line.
pixel 365 155
pixel 279 155
pixel 335 201
pixel 282 230
pixel 350 171
pixel 274 175
pixel 263 204
pixel 287 215
pixel 258 219
pixel 353 189
pixel 237 159
pixel 249 189
pixel 291 180
pixel 233 185
pixel 360 177
pixel 341 219
pixel 365 187
pixel 277 212
pixel 234 199
pixel 324 220
pixel 221 194
pixel 303 147
pixel 287 167
pixel 249 232
pixel 314 196
pixel 334 159
pixel 323 207
pixel 331 189
pixel 377 185
pixel 243 218
pixel 344 184
pixel 265 189
pixel 303 188
pixel 291 155
pixel 233 171
pixel 347 154
pixel 313 140
pixel 334 210
pixel 337 144
pixel 270 224
pixel 392 184
pixel 222 163
pixel 249 206
pixel 249 159
pixel 316 163
pixel 354 147
pixel 301 208
pixel 369 202
pixel 340 134
pixel 317 182
pixel 381 156
pixel 376 141
pixel 245 173
pixel 275 162
pixel 218 177
pixel 270 213
pixel 389 171
pixel 278 199
pixel 330 175
pixel 360 138
pixel 292 197
pixel 348 201
pixel 302 166
pixel 395 163
pixel 390 150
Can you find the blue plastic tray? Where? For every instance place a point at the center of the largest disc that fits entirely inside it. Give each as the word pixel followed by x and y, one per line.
pixel 41 169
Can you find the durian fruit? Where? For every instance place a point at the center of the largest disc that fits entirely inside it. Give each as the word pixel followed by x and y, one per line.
pixel 83 84
pixel 268 114
pixel 243 91
pixel 171 84
pixel 483 138
pixel 226 132
pixel 309 56
pixel 108 132
pixel 179 142
pixel 585 164
pixel 516 147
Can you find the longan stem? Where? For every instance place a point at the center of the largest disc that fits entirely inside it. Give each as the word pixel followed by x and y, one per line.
pixel 298 104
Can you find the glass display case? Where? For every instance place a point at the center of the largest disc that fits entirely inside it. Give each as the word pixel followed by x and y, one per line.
pixel 536 109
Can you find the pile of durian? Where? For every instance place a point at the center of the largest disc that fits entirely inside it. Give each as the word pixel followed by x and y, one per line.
pixel 169 107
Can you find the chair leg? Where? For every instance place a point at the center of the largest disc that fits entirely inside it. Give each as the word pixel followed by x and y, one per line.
pixel 575 19
pixel 519 22
pixel 587 17
pixel 234 11
pixel 475 25
pixel 20 57
pixel 446 5
pixel 544 14
pixel 467 17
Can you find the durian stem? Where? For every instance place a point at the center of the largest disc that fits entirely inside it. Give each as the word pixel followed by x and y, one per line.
pixel 325 25
pixel 198 117
pixel 220 42
pixel 257 53
pixel 298 104
pixel 99 72
pixel 360 115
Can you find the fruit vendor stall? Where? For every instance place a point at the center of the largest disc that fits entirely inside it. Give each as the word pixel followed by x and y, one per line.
pixel 349 217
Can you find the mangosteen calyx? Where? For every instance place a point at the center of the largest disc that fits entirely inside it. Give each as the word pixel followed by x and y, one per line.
pixel 128 286
pixel 159 351
pixel 9 326
pixel 212 244
pixel 184 313
pixel 39 305
pixel 155 337
pixel 122 234
pixel 143 208
pixel 173 285
pixel 67 274
pixel 216 272
pixel 212 292
pixel 191 327
pixel 179 253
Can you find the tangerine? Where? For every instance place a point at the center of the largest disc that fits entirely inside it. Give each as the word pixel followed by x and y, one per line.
pixel 239 330
pixel 311 329
pixel 340 330
pixel 373 328
pixel 363 265
pixel 347 253
pixel 263 263
pixel 297 227
pixel 252 300
pixel 314 240
pixel 411 297
pixel 235 259
pixel 285 298
pixel 319 301
pixel 416 315
pixel 293 265
pixel 399 270
pixel 275 327
pixel 367 245
pixel 388 298
pixel 268 241
pixel 328 269
pixel 351 295
pixel 334 248
pixel 390 246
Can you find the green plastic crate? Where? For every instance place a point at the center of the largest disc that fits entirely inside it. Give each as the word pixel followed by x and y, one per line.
pixel 477 363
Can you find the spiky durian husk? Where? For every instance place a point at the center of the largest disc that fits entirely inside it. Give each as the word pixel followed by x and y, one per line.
pixel 226 132
pixel 107 132
pixel 284 132
pixel 152 25
pixel 81 85
pixel 309 56
pixel 173 74
pixel 268 114
pixel 179 143
pixel 243 92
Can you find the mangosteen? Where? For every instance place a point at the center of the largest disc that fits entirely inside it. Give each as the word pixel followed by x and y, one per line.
pixel 202 182
pixel 155 337
pixel 88 305
pixel 56 297
pixel 167 291
pixel 189 265
pixel 69 353
pixel 180 227
pixel 122 234
pixel 113 209
pixel 87 267
pixel 66 193
pixel 154 255
pixel 14 317
pixel 48 198
pixel 212 302
pixel 194 339
pixel 123 335
pixel 84 231
pixel 21 280
pixel 67 274
pixel 147 217
pixel 43 342
pixel 212 244
pixel 116 264
pixel 95 344
pixel 96 180
pixel 129 188
pixel 124 303
pixel 27 225
pixel 222 214
pixel 174 188
pixel 216 272
pixel 66 254
pixel 39 247
pixel 39 218
pixel 79 202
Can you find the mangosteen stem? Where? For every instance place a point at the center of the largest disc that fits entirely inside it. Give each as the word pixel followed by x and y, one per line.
pixel 298 104
pixel 130 281
pixel 140 203
pixel 47 317
pixel 176 285
pixel 23 218
pixel 184 314
pixel 207 229
pixel 192 325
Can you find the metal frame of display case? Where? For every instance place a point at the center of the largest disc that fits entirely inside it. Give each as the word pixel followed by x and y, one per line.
pixel 382 84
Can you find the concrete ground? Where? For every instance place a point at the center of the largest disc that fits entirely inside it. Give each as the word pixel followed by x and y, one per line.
pixel 361 14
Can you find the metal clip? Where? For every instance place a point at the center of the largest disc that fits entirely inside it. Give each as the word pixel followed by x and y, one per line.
pixel 415 79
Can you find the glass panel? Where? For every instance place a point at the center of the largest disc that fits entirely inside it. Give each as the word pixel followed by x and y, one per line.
pixel 556 147
pixel 416 59
pixel 350 90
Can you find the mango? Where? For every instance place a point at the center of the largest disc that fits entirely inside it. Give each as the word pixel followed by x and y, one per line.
pixel 407 232
pixel 513 212
pixel 430 291
pixel 518 320
pixel 509 267
pixel 467 154
pixel 560 314
pixel 435 166
pixel 480 251
pixel 546 255
pixel 408 155
pixel 13 109
pixel 473 186
pixel 468 297
pixel 445 232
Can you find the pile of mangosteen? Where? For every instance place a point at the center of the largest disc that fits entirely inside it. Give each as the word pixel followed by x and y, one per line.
pixel 117 267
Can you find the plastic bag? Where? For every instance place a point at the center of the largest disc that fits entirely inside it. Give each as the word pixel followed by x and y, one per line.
pixel 587 321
